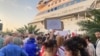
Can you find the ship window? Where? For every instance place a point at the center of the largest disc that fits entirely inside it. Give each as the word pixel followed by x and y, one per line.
pixel 78 0
pixel 61 6
pixel 51 9
pixel 81 0
pixel 58 7
pixel 55 8
pixel 75 2
pixel 48 10
pixel 72 2
pixel 67 4
pixel 64 5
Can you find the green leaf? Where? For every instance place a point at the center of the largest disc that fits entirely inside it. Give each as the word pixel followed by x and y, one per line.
pixel 93 24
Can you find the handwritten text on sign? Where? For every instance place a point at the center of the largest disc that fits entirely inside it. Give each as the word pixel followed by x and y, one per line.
pixel 53 24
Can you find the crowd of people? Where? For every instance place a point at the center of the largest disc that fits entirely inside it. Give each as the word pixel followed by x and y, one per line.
pixel 48 45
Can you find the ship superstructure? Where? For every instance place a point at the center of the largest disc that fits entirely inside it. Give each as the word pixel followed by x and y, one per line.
pixel 68 11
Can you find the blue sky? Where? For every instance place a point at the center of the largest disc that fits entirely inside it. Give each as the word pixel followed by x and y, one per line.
pixel 16 13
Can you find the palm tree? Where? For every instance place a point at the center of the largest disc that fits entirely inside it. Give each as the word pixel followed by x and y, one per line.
pixel 31 29
pixel 92 24
pixel 28 29
pixel 21 30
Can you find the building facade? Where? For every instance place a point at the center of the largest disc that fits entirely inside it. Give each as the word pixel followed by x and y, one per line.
pixel 69 12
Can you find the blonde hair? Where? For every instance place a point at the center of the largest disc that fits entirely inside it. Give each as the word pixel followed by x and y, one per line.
pixel 60 40
pixel 7 40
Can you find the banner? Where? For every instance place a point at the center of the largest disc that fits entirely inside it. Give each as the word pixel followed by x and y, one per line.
pixel 55 24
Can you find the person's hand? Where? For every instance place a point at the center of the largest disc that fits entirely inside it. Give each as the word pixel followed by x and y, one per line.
pixel 52 34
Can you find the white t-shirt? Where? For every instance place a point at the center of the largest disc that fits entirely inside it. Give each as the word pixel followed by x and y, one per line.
pixel 60 51
pixel 25 40
pixel 91 49
pixel 98 48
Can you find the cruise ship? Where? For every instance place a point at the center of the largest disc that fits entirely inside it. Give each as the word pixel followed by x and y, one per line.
pixel 68 11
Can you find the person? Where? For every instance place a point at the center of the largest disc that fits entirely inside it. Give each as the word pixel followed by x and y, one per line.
pixel 52 36
pixel 17 38
pixel 45 39
pixel 97 34
pixel 42 49
pixel 90 46
pixel 11 49
pixel 18 41
pixel 31 46
pixel 75 46
pixel 15 34
pixel 49 36
pixel 50 48
pixel 27 38
pixel 39 41
pixel 61 49
pixel 1 42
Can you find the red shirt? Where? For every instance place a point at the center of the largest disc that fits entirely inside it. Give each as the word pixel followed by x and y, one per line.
pixel 42 50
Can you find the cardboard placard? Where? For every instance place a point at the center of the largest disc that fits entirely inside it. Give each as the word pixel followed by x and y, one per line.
pixel 55 24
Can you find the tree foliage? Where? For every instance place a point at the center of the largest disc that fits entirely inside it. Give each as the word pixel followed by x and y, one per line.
pixel 21 30
pixel 92 24
pixel 28 29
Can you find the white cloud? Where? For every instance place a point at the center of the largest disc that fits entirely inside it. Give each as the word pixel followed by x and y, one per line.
pixel 29 8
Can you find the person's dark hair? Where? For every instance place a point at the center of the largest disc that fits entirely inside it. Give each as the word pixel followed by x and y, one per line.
pixel 76 45
pixel 43 39
pixel 50 44
pixel 87 37
pixel 47 34
pixel 39 38
pixel 10 34
pixel 30 32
